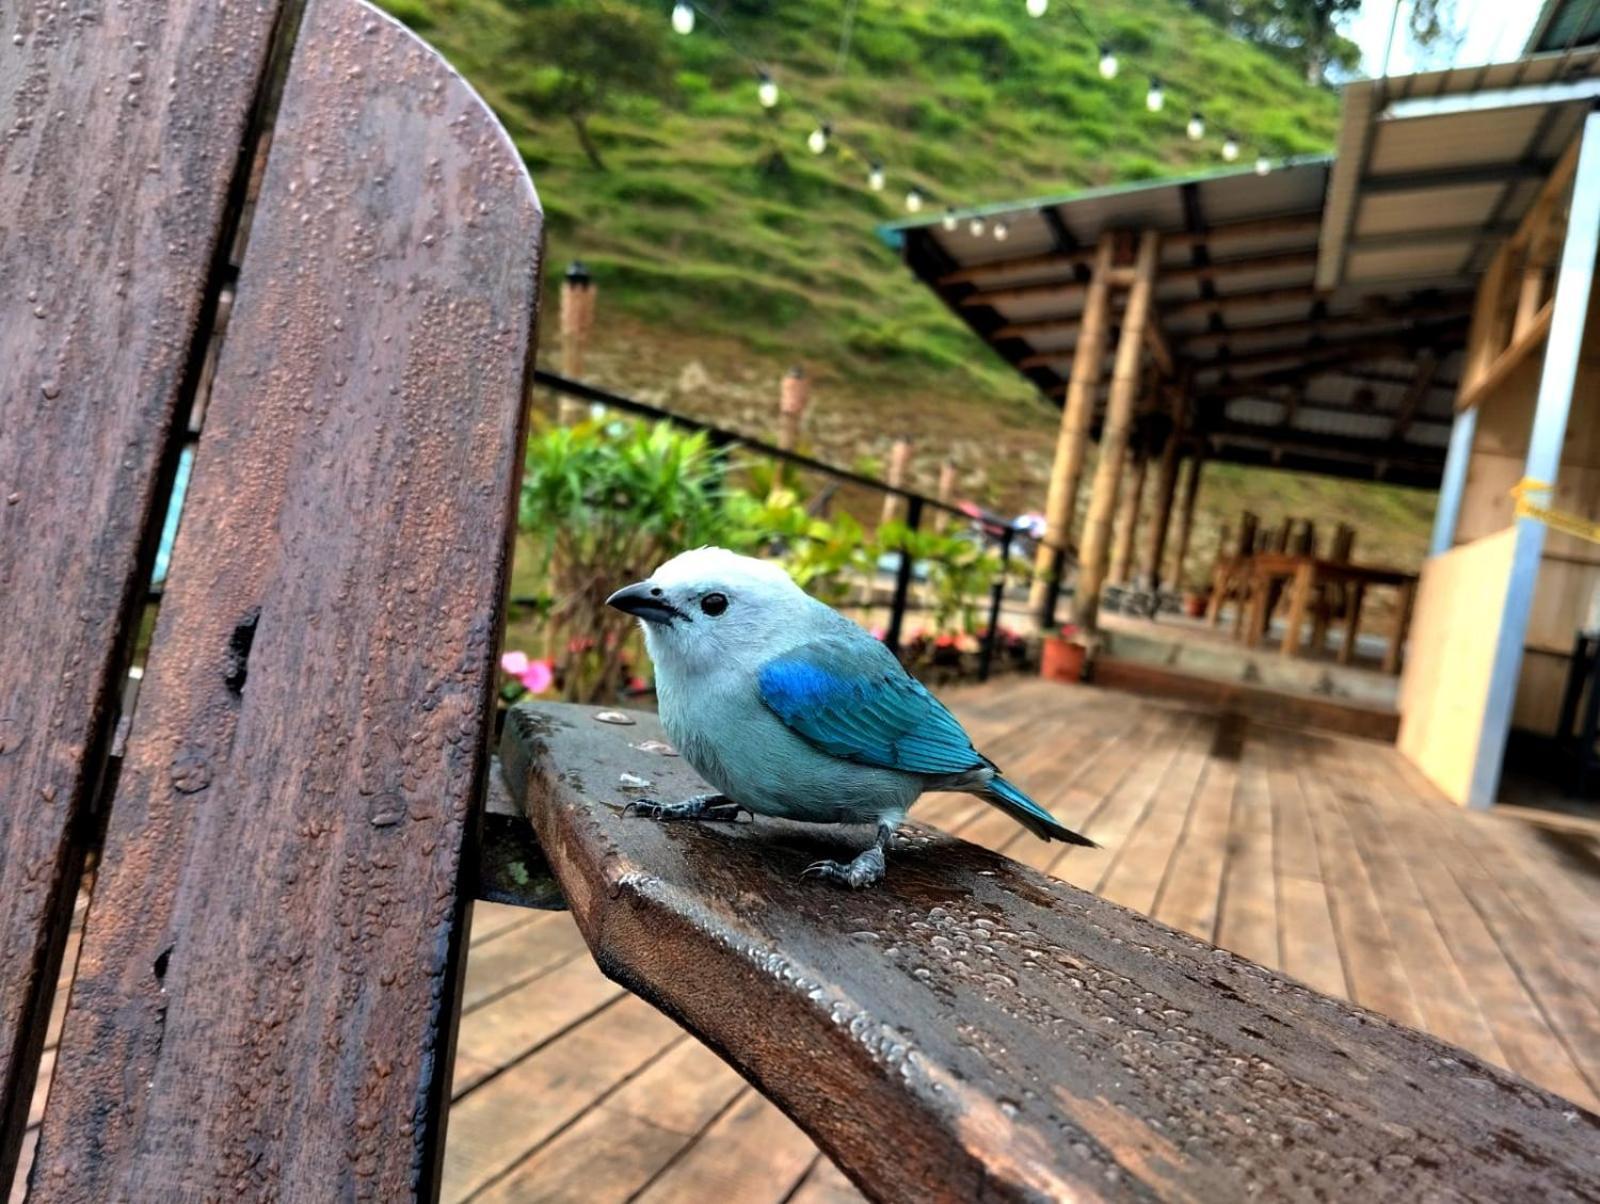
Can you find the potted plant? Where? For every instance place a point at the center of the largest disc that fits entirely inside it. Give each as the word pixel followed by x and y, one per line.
pixel 1062 656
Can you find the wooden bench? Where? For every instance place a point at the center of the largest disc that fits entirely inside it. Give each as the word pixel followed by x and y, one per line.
pixel 298 235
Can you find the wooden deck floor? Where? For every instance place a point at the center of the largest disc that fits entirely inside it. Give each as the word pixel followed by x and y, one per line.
pixel 1326 857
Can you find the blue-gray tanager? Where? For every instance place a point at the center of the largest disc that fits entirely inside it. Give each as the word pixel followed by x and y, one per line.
pixel 790 709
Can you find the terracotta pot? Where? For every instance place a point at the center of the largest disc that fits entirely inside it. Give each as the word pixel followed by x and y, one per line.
pixel 1062 660
pixel 1194 605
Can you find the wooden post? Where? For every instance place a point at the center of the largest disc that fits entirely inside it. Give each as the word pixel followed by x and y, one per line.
pixel 1122 565
pixel 1096 544
pixel 1529 298
pixel 577 318
pixel 1077 413
pixel 1191 488
pixel 947 493
pixel 1166 489
pixel 899 463
pixel 793 396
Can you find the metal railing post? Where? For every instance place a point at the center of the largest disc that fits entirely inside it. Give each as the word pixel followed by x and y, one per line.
pixel 996 596
pixel 902 579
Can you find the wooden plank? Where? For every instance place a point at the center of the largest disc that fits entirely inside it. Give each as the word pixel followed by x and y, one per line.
pixel 1190 898
pixel 1374 966
pixel 1308 943
pixel 316 699
pixel 114 208
pixel 1247 922
pixel 527 1018
pixel 494 1126
pixel 752 1153
pixel 601 1158
pixel 1104 1034
pixel 517 957
pixel 1139 865
pixel 1441 985
pixel 826 1184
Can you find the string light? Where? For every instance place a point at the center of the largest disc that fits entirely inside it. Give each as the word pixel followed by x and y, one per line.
pixel 685 13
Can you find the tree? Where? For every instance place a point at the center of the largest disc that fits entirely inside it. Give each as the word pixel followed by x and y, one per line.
pixel 582 56
pixel 1306 31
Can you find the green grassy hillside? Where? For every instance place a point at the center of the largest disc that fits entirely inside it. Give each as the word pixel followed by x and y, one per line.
pixel 725 251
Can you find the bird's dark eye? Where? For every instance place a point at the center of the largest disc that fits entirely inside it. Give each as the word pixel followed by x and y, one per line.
pixel 714 604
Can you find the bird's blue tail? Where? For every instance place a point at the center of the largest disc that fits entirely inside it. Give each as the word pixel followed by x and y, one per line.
pixel 1029 814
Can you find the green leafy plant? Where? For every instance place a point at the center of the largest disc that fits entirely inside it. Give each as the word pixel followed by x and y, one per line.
pixel 608 502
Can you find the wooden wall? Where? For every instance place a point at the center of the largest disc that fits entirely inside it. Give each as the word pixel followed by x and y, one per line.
pixel 1570 570
pixel 1445 686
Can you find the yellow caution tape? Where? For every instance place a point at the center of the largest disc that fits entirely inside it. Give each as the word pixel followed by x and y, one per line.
pixel 1556 520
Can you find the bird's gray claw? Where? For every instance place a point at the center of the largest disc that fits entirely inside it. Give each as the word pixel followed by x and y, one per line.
pixel 647 807
pixel 863 871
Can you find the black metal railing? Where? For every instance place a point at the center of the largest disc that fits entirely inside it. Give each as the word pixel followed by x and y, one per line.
pixel 916 503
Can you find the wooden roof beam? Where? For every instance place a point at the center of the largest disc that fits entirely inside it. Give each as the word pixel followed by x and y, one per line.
pixel 1276 261
pixel 1310 326
pixel 1254 228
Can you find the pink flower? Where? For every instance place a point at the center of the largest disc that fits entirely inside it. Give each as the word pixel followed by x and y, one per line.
pixel 537 677
pixel 878 633
pixel 514 663
pixel 637 685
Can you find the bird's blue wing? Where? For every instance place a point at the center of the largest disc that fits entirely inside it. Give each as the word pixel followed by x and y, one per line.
pixel 854 701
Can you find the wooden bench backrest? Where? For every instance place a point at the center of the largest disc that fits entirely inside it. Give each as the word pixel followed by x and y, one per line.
pixel 265 995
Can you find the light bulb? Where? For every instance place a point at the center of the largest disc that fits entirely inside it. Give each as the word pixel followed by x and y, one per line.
pixel 950 222
pixel 913 200
pixel 875 177
pixel 1263 165
pixel 817 140
pixel 683 17
pixel 1001 231
pixel 975 227
pixel 1037 8
pixel 1230 148
pixel 767 90
pixel 1197 126
pixel 1108 63
pixel 1155 98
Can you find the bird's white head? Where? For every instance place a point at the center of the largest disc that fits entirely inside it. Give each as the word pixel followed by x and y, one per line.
pixel 712 608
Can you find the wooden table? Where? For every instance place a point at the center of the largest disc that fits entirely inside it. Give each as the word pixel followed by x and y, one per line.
pixel 1306 575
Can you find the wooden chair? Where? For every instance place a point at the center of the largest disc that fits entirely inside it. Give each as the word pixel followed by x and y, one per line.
pixel 265 1002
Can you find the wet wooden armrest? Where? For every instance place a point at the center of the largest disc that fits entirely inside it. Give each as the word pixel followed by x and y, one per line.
pixel 511 867
pixel 972 1030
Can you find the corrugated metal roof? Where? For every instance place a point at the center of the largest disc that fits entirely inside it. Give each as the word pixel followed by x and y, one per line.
pixel 1421 194
pixel 1564 24
pixel 1278 365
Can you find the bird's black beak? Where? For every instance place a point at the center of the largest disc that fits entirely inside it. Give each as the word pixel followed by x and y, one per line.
pixel 644 601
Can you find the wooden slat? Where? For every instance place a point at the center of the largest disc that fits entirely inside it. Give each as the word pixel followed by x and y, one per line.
pixel 113 210
pixel 272 952
pixel 752 1153
pixel 496 1124
pixel 1117 1057
pixel 1248 919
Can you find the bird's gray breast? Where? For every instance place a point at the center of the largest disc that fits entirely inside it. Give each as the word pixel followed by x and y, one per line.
pixel 745 751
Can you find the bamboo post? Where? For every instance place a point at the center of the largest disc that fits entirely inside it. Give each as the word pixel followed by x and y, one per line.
pixel 1088 362
pixel 1122 565
pixel 899 464
pixel 1166 489
pixel 1114 435
pixel 1529 298
pixel 947 493
pixel 793 397
pixel 577 319
pixel 1191 487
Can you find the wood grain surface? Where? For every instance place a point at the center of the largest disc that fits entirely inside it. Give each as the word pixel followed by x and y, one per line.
pixel 973 1030
pixel 266 995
